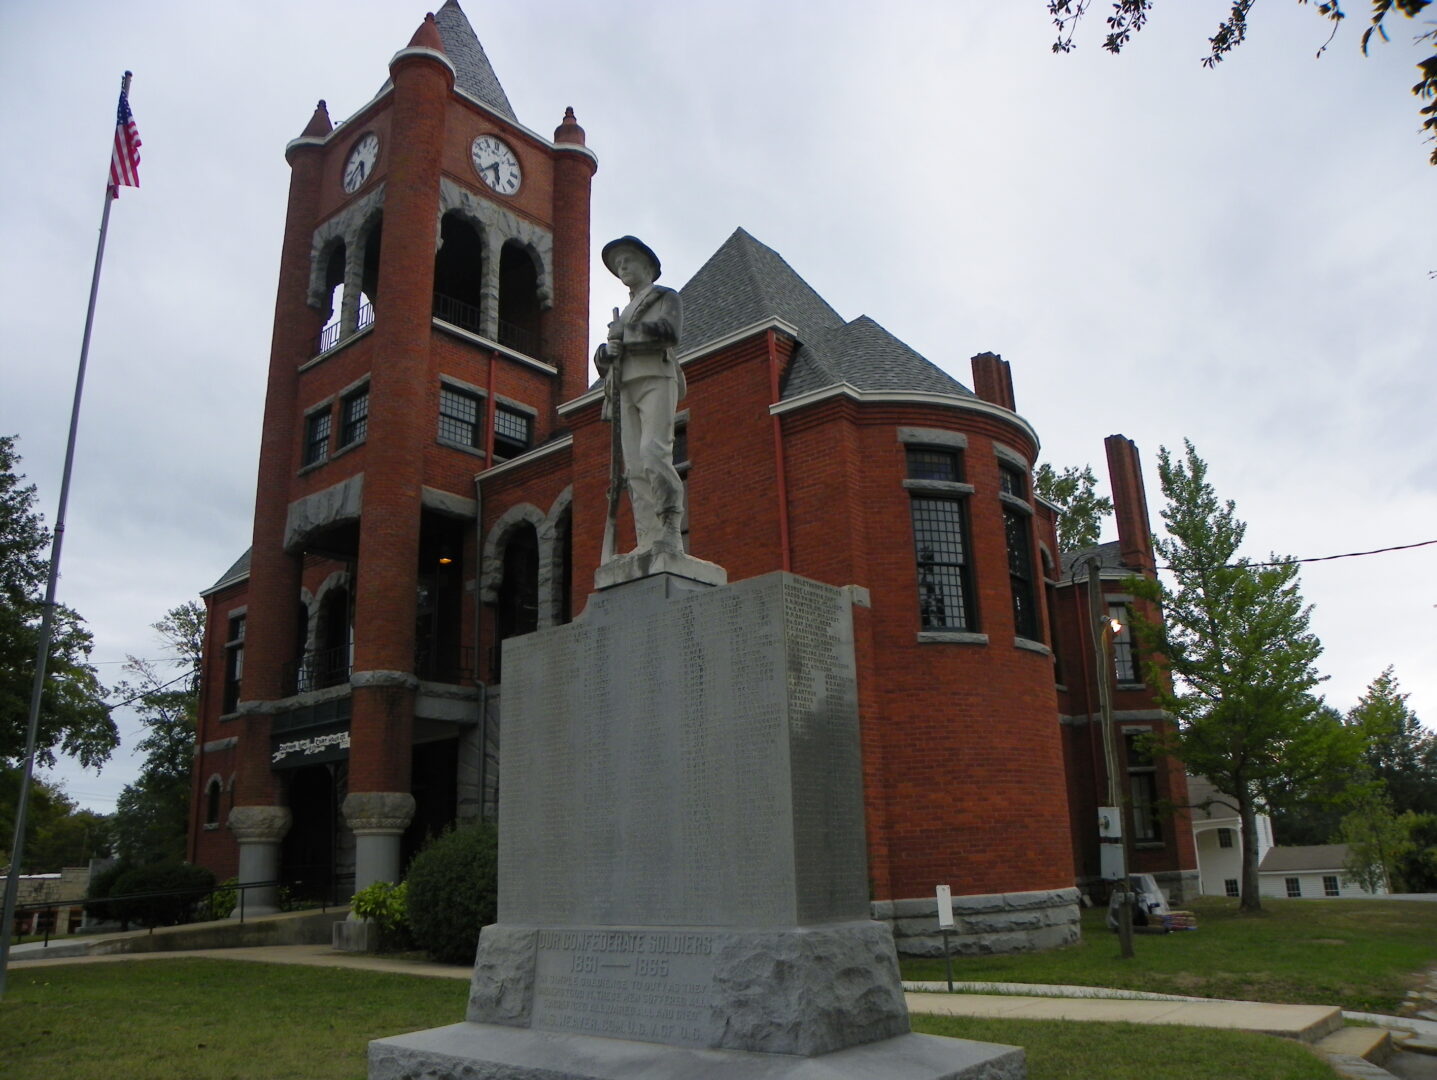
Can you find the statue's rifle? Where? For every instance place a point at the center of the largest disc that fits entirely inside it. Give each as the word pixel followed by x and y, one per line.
pixel 616 455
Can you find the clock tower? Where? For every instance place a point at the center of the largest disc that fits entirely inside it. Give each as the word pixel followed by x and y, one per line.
pixel 431 316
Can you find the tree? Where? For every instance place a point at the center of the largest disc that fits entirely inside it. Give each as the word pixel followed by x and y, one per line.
pixel 152 814
pixel 1397 750
pixel 58 833
pixel 73 716
pixel 1234 661
pixel 1130 16
pixel 1080 509
pixel 1377 839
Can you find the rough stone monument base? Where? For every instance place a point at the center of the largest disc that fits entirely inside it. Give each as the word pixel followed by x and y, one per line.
pixel 472 1051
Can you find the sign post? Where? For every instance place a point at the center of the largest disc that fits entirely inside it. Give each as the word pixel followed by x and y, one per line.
pixel 945 924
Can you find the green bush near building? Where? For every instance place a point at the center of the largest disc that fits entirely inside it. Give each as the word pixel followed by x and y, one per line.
pixel 454 891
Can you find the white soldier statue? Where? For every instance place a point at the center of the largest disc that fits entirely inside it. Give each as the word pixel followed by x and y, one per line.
pixel 645 384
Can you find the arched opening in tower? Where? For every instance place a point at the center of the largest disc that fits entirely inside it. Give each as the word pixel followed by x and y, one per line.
pixel 458 273
pixel 518 299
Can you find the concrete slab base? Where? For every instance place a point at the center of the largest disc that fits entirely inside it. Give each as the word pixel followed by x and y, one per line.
pixel 471 1051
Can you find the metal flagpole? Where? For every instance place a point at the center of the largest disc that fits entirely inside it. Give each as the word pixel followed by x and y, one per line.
pixel 47 616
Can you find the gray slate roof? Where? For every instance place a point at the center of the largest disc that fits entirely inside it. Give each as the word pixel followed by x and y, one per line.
pixel 1110 557
pixel 472 72
pixel 238 572
pixel 1309 858
pixel 745 282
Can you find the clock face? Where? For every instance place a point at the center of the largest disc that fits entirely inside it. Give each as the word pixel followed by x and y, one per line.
pixel 496 164
pixel 361 162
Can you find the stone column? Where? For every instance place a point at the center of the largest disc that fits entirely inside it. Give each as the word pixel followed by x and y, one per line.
pixel 378 820
pixel 489 283
pixel 259 830
pixel 353 284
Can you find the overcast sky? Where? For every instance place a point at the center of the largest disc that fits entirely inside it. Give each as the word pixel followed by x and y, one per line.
pixel 1238 256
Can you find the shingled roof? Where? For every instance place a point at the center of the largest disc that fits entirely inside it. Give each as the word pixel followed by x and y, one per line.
pixel 472 72
pixel 237 572
pixel 745 282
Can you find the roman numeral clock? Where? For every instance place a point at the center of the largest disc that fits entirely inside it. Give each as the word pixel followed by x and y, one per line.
pixel 496 164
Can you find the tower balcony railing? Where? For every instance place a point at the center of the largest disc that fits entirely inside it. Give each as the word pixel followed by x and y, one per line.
pixel 318 670
pixel 467 316
pixel 330 336
pixel 458 313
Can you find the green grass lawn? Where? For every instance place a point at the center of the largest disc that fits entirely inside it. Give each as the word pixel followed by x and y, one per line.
pixel 1357 954
pixel 186 1019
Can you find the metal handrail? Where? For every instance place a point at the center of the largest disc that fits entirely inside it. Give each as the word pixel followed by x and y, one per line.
pixel 329 899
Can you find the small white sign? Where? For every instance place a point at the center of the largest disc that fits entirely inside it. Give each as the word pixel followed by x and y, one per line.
pixel 945 908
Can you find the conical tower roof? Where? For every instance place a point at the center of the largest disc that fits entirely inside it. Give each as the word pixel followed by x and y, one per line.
pixel 472 72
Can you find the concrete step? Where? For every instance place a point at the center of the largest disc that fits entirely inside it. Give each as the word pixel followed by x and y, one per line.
pixel 1369 1043
pixel 1306 1023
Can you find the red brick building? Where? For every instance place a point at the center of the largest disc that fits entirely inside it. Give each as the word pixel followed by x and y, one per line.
pixel 432 481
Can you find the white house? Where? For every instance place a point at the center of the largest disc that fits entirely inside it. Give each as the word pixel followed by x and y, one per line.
pixel 1217 838
pixel 1315 870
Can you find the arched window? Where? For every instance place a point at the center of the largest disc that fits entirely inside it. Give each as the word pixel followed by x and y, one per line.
pixel 334 290
pixel 518 600
pixel 458 273
pixel 213 791
pixel 518 299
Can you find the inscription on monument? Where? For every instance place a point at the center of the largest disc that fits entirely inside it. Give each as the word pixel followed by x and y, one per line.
pixel 653 985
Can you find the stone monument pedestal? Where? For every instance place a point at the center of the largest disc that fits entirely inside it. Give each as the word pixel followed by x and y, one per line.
pixel 682 867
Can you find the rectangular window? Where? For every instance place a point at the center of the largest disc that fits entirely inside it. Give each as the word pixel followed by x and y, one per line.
pixel 316 437
pixel 940 545
pixel 1224 838
pixel 1329 885
pixel 459 417
pixel 354 424
pixel 1142 785
pixel 1229 886
pixel 1012 481
pixel 513 432
pixel 932 463
pixel 234 664
pixel 1124 662
pixel 1020 573
pixel 1294 887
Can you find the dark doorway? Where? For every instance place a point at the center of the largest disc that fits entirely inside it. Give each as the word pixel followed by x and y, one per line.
pixel 435 784
pixel 307 856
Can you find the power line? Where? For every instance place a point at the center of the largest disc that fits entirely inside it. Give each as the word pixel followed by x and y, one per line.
pixel 1309 559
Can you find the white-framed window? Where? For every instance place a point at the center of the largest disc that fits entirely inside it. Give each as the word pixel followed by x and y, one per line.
pixel 1142 785
pixel 1125 666
pixel 316 436
pixel 1224 838
pixel 1229 886
pixel 1330 885
pixel 940 538
pixel 1294 886
pixel 459 414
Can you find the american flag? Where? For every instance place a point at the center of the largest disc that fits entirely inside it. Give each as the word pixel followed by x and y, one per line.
pixel 125 161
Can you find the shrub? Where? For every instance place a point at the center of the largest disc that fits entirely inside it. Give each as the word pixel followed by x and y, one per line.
pixel 101 886
pixel 220 903
pixel 386 904
pixel 453 891
pixel 187 883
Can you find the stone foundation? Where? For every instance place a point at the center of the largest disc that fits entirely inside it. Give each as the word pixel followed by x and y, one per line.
pixel 985 924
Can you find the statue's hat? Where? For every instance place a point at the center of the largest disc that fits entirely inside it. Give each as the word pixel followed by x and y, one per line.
pixel 613 247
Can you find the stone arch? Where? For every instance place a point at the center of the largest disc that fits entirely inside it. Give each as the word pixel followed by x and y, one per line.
pixel 498 226
pixel 495 541
pixel 556 560
pixel 350 226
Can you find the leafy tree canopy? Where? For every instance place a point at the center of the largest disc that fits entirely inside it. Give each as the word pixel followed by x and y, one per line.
pixel 1130 16
pixel 73 717
pixel 1080 509
pixel 58 834
pixel 151 815
pixel 1236 658
pixel 1397 749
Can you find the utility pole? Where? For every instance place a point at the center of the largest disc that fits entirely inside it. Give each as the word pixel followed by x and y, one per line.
pixel 1102 648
